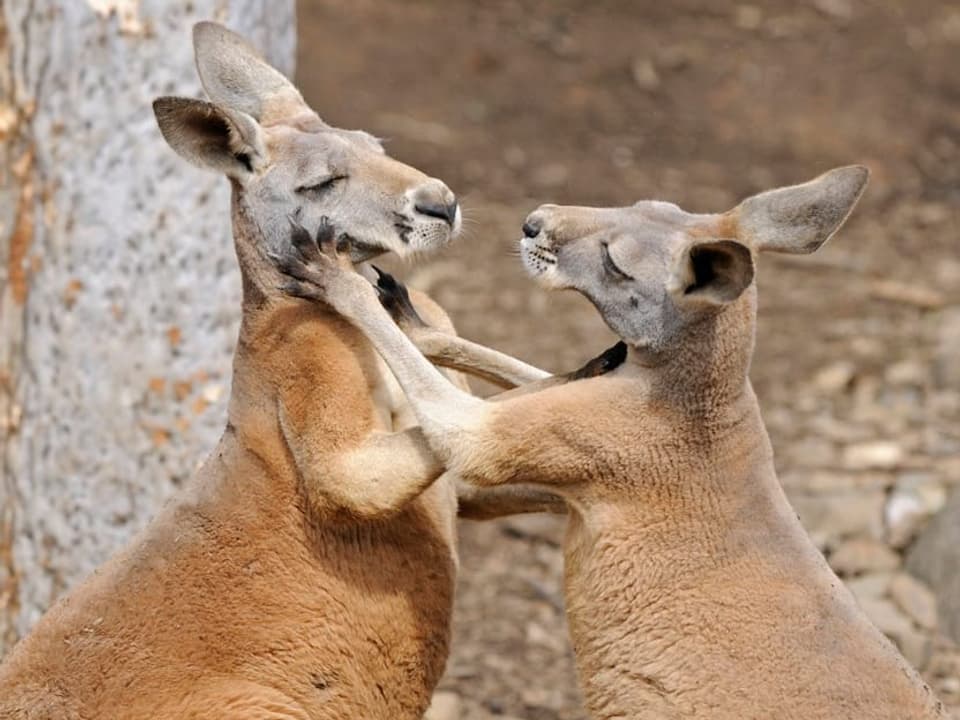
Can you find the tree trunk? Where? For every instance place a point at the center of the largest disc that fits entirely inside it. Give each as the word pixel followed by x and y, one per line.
pixel 119 296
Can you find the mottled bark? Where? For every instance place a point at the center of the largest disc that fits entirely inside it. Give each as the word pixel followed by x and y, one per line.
pixel 119 293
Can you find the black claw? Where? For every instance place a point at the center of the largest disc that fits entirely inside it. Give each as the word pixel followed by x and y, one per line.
pixel 282 262
pixel 299 234
pixel 396 299
pixel 325 234
pixel 388 283
pixel 299 290
pixel 605 362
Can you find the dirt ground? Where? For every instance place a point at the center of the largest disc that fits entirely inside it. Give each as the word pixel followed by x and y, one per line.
pixel 700 102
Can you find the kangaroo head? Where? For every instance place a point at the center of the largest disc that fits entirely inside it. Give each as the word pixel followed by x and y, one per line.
pixel 285 164
pixel 653 270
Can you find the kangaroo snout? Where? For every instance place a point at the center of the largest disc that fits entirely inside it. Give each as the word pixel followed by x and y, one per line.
pixel 531 227
pixel 538 221
pixel 435 199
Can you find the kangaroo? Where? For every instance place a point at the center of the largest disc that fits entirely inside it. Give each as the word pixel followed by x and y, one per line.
pixel 307 570
pixel 692 591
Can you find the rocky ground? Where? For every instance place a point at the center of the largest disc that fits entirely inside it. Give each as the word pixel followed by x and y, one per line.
pixel 701 103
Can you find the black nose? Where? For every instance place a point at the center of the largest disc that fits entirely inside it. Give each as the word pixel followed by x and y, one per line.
pixel 531 228
pixel 444 211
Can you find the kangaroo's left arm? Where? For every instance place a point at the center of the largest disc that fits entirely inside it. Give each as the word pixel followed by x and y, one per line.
pixel 536 437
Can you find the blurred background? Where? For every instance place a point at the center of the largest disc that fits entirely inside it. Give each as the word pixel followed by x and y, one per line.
pixel 519 102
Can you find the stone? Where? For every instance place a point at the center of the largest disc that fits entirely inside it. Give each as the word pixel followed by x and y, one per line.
pixel 840 10
pixel 888 618
pixel 915 599
pixel 540 527
pixel 645 74
pixel 811 452
pixel 446 705
pixel 874 455
pixel 872 586
pixel 748 17
pixel 923 298
pixel 908 510
pixel 861 555
pixel 916 647
pixel 907 373
pixel 935 559
pixel 842 514
pixel 819 480
pixel 904 516
pixel 676 57
pixel 538 635
pixel 931 213
pixel 835 377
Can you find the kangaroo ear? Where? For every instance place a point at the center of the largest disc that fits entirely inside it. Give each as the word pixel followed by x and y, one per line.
pixel 714 272
pixel 235 75
pixel 227 141
pixel 800 218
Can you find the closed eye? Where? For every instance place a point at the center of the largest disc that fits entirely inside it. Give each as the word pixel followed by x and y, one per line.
pixel 610 266
pixel 316 189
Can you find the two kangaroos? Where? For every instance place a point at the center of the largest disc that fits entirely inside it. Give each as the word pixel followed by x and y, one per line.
pixel 692 591
pixel 307 571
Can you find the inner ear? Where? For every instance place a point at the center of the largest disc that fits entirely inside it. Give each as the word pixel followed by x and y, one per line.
pixel 718 271
pixel 212 137
pixel 213 134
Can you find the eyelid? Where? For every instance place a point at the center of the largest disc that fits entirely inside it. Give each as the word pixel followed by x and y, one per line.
pixel 610 265
pixel 321 184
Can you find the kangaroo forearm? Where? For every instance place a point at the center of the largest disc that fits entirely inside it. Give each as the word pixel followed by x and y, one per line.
pixel 456 353
pixel 435 401
pixel 489 503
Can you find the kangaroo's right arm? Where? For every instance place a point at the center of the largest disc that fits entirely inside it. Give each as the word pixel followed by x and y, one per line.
pixel 381 475
pixel 543 437
pixel 445 348
pixel 440 344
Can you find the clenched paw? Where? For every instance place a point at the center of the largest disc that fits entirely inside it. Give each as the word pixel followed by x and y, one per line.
pixel 395 298
pixel 608 360
pixel 313 266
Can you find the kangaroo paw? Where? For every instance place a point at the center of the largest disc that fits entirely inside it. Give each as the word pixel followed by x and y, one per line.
pixel 395 298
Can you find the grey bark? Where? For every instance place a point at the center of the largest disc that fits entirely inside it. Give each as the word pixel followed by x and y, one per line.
pixel 119 292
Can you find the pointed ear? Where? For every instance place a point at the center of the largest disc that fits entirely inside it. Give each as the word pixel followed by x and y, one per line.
pixel 713 272
pixel 234 75
pixel 801 218
pixel 211 137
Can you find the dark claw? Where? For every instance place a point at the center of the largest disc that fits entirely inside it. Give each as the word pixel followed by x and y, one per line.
pixel 299 290
pixel 395 298
pixel 284 262
pixel 302 242
pixel 605 362
pixel 291 264
pixel 325 235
